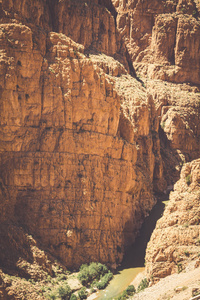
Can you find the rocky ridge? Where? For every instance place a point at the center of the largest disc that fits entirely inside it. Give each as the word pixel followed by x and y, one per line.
pixel 175 240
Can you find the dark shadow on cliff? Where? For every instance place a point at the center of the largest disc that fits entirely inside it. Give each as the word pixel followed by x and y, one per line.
pixel 171 159
pixel 13 246
pixel 135 254
pixel 16 245
pixel 122 55
pixel 109 5
pixel 123 49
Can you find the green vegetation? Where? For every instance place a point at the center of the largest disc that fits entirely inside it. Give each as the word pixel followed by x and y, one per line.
pixel 73 297
pixel 64 292
pixel 57 287
pixel 51 70
pixel 51 296
pixel 83 293
pixel 127 293
pixel 94 276
pixel 194 13
pixel 195 292
pixel 180 267
pixel 130 290
pixel 143 285
pixel 198 242
pixel 104 281
pixel 187 253
pixel 188 179
pixel 95 272
pixel 162 125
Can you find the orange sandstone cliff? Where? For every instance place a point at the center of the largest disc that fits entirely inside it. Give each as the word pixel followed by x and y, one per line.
pixel 175 241
pixel 76 169
pixel 99 110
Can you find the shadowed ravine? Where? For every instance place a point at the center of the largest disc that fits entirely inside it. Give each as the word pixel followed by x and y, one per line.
pixel 133 262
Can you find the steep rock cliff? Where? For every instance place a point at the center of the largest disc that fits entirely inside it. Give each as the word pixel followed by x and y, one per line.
pixel 76 170
pixel 162 37
pixel 178 111
pixel 175 240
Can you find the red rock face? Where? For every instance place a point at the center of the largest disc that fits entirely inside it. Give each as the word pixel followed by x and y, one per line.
pixel 69 177
pixel 79 137
pixel 162 38
pixel 95 27
pixel 175 241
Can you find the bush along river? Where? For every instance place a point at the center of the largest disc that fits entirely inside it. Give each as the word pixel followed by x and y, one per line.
pixel 133 262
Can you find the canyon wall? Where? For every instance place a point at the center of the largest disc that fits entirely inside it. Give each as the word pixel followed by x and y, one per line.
pixel 162 37
pixel 76 169
pixel 94 117
pixel 175 241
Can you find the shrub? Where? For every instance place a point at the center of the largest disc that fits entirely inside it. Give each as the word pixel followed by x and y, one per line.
pixel 64 292
pixel 62 277
pixel 84 276
pixel 143 285
pixel 123 296
pixel 130 290
pixel 102 269
pixel 83 266
pixel 51 296
pixel 188 179
pixel 91 272
pixel 187 253
pixel 73 297
pixel 83 293
pixel 180 267
pixel 104 281
pixel 162 125
pixel 43 289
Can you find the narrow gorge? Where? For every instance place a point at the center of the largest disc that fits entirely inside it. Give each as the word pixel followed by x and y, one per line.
pixel 99 112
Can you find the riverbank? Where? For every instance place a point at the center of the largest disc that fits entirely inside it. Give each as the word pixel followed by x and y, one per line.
pixel 133 262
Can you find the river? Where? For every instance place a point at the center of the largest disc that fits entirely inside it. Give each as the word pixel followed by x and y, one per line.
pixel 133 262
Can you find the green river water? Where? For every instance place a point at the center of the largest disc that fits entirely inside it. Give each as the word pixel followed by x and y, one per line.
pixel 133 262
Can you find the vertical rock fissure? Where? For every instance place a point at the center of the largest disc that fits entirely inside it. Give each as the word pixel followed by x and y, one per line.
pixel 173 59
pixel 109 5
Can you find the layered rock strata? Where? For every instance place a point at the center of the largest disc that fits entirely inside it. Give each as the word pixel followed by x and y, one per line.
pixel 175 240
pixel 162 38
pixel 178 111
pixel 74 173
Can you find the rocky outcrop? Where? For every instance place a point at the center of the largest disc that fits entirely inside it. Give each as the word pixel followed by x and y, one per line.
pixel 95 27
pixel 22 255
pixel 178 110
pixel 162 38
pixel 76 169
pixel 175 240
